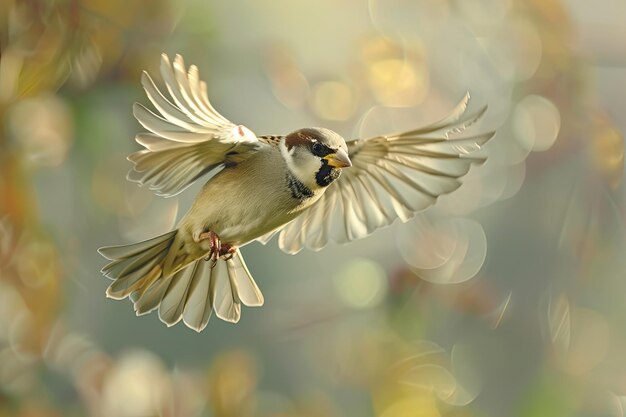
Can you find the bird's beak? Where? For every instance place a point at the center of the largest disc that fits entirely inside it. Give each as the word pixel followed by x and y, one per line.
pixel 339 159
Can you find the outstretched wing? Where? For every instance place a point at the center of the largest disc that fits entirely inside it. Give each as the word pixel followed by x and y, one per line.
pixel 392 176
pixel 188 137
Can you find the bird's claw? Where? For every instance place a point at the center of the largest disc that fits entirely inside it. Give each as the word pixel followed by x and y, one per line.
pixel 217 249
pixel 230 252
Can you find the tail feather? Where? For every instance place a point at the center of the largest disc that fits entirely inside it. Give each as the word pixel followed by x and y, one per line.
pixel 134 266
pixel 199 302
pixel 247 290
pixel 190 294
pixel 175 297
pixel 114 253
pixel 124 267
pixel 136 282
pixel 127 282
pixel 150 299
pixel 224 295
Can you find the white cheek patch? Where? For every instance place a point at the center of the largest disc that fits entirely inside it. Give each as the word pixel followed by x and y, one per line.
pixel 288 157
pixel 304 167
pixel 286 153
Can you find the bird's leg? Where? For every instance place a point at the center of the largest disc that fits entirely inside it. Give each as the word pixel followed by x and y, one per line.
pixel 217 248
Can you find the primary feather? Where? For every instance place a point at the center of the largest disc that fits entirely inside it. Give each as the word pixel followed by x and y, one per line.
pixel 189 138
pixel 393 176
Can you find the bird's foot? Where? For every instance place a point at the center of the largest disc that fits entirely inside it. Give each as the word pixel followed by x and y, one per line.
pixel 228 251
pixel 215 245
pixel 217 248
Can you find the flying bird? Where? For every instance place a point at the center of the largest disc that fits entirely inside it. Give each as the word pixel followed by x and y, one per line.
pixel 309 187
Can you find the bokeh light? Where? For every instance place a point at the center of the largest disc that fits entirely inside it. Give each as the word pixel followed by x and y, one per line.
pixel 443 251
pixel 361 283
pixel 536 123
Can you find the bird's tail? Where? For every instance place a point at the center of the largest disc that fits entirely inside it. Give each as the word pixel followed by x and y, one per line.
pixel 190 293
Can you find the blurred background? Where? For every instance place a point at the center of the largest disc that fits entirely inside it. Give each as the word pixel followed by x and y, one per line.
pixel 505 299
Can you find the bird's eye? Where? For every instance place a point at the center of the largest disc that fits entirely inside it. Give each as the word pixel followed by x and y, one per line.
pixel 318 149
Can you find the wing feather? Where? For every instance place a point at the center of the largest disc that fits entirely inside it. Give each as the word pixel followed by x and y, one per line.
pixel 188 137
pixel 169 111
pixel 392 176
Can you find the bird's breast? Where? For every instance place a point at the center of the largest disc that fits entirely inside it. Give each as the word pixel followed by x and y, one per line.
pixel 247 201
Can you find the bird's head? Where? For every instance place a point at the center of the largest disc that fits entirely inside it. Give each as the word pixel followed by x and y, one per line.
pixel 315 156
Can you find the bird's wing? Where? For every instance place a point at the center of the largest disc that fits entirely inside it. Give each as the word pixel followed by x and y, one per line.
pixel 392 176
pixel 188 137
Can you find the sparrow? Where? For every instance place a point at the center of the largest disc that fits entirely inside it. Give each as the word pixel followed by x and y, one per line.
pixel 309 187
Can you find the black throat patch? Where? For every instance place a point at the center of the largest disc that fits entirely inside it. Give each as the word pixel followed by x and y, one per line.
pixel 326 174
pixel 299 191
